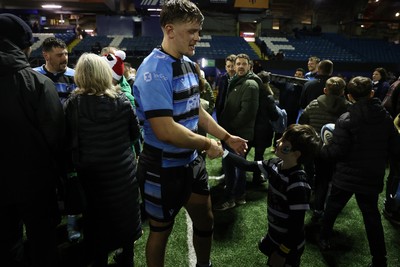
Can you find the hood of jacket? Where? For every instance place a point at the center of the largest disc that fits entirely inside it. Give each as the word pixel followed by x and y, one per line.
pixel 12 59
pixel 237 80
pixel 335 105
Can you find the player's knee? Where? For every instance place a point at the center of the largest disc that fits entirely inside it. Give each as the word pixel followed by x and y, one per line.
pixel 203 232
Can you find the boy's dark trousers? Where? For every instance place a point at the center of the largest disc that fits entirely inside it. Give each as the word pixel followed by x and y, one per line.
pixel 368 204
pixel 323 176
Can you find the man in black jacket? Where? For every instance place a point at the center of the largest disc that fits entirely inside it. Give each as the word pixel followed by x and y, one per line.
pixel 363 139
pixel 32 122
pixel 314 88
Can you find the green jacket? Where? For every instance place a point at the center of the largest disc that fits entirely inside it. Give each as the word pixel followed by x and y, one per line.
pixel 208 95
pixel 126 88
pixel 240 110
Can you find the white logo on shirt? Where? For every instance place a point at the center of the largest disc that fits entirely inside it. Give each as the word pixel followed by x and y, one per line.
pixel 193 102
pixel 147 77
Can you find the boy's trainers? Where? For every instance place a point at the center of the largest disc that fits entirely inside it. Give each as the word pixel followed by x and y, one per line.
pixel 73 236
pixel 241 200
pixel 225 205
pixel 262 246
pixel 317 216
pixel 72 228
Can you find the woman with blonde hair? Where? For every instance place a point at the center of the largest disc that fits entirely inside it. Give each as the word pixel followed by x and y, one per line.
pixel 101 128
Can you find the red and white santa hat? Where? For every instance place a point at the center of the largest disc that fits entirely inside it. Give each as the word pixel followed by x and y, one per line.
pixel 116 63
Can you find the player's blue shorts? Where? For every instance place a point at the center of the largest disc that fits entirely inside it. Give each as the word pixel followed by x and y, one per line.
pixel 166 190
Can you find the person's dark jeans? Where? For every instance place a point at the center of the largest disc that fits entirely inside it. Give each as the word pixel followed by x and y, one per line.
pixel 309 168
pixel 323 176
pixel 235 178
pixel 258 155
pixel 368 204
pixel 40 223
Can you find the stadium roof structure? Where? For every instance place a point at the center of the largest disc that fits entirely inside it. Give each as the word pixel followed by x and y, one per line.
pixel 284 9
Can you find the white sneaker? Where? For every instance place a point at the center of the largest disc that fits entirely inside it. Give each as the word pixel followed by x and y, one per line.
pixel 73 236
pixel 225 205
pixel 241 200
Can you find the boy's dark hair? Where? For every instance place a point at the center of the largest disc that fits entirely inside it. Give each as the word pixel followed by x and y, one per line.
pixel 325 67
pixel 359 87
pixel 303 138
pixel 51 42
pixel 264 76
pixel 180 11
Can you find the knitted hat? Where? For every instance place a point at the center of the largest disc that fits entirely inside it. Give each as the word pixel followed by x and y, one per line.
pixel 15 30
pixel 116 62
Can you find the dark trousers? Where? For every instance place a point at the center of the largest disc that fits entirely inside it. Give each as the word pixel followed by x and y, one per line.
pixel 40 223
pixel 323 176
pixel 259 150
pixel 263 136
pixel 96 252
pixel 368 204
pixel 392 185
pixel 235 178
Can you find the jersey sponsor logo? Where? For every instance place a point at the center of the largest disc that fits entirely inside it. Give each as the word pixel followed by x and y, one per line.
pixel 147 77
pixel 192 102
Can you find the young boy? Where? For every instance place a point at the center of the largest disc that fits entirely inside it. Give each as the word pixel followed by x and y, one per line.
pixel 362 141
pixel 327 108
pixel 288 193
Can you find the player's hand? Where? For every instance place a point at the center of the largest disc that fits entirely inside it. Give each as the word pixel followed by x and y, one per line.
pixel 215 150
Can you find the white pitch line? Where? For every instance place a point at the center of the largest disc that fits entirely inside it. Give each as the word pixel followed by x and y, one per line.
pixel 216 177
pixel 191 253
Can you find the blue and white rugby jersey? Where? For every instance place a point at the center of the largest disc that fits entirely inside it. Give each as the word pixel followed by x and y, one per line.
pixel 167 86
pixel 64 81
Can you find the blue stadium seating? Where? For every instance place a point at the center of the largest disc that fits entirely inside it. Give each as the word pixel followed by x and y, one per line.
pixel 335 47
pixel 85 45
pixel 326 46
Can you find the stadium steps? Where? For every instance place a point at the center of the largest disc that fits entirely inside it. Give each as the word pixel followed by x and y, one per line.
pixel 256 49
pixel 73 44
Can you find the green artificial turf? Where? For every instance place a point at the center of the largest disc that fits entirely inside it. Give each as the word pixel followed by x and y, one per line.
pixel 237 231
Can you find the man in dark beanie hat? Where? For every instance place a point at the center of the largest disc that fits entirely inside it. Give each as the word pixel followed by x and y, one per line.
pixel 15 30
pixel 32 122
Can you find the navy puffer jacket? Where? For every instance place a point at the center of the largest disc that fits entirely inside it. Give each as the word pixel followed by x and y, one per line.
pixel 363 139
